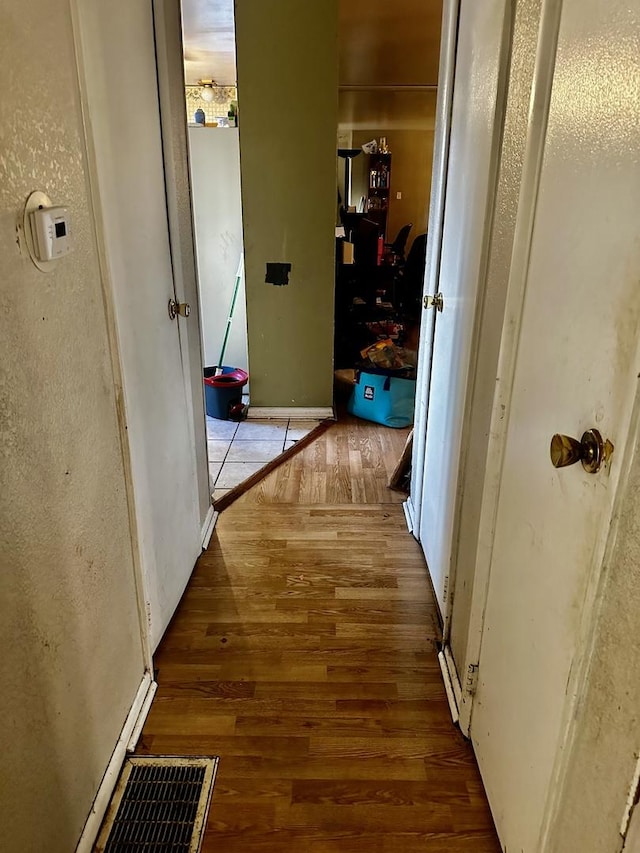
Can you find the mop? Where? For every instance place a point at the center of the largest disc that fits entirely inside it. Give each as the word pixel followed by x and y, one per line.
pixel 230 318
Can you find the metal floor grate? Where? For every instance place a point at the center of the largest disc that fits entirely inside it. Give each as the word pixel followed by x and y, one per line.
pixel 159 805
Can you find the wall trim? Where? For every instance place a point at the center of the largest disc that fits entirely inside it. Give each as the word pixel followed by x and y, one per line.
pixel 142 716
pixel 489 225
pixel 208 527
pixel 293 412
pixel 407 507
pixel 239 490
pixel 448 687
pixel 631 801
pixel 453 674
pixel 133 723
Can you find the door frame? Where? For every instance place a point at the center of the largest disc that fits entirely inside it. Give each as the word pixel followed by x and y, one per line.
pixel 531 170
pixel 140 573
pixel 483 225
pixel 539 108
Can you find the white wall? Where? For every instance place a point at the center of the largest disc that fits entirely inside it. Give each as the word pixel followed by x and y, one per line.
pixel 214 156
pixel 71 657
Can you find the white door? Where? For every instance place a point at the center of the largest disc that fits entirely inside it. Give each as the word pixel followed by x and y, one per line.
pixel 118 70
pixel 446 71
pixel 473 148
pixel 576 367
pixel 170 68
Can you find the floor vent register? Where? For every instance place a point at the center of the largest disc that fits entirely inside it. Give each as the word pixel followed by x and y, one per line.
pixel 160 804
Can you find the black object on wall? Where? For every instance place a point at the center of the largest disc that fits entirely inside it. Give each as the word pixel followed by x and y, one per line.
pixel 277 274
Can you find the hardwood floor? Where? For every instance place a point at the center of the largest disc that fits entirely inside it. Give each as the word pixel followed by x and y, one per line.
pixel 303 653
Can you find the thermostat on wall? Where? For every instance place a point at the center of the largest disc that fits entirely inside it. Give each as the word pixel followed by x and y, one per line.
pixel 51 233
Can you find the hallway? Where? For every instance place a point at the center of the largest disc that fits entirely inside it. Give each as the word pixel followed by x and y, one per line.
pixel 303 654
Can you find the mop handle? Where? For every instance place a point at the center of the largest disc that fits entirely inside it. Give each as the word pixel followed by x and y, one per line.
pixel 230 318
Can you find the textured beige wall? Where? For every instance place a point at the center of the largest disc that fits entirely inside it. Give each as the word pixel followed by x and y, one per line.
pixel 71 653
pixel 288 168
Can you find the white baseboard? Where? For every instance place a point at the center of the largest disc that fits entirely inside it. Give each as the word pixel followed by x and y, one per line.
pixel 453 674
pixel 448 687
pixel 208 527
pixel 293 413
pixel 408 514
pixel 142 716
pixel 134 721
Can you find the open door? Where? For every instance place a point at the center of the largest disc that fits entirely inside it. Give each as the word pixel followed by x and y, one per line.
pixel 455 272
pixel 569 364
pixel 116 54
pixel 446 71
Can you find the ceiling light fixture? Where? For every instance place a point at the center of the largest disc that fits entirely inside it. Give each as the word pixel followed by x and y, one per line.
pixel 206 92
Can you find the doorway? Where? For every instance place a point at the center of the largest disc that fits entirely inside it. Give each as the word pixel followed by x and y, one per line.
pixel 388 83
pixel 240 443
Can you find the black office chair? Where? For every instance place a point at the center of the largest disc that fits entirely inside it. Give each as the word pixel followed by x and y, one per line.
pixel 409 280
pixel 395 250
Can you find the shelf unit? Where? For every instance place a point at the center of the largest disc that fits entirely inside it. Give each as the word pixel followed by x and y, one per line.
pixel 379 190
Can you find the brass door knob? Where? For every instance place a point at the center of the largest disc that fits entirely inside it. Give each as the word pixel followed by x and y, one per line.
pixel 592 450
pixel 178 309
pixel 436 302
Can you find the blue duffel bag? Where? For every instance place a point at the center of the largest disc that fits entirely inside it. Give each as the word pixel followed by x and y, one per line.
pixel 383 399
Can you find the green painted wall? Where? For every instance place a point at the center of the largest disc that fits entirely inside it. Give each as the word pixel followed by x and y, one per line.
pixel 288 95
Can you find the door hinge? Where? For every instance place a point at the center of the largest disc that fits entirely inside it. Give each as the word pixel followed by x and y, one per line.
pixel 445 590
pixel 471 681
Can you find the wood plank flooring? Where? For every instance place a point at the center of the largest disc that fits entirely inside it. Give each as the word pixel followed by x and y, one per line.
pixel 303 653
pixel 351 463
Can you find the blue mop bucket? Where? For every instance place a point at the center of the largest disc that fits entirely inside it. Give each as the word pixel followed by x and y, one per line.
pixel 223 392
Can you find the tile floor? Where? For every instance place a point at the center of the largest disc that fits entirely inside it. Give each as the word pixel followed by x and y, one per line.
pixel 238 450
